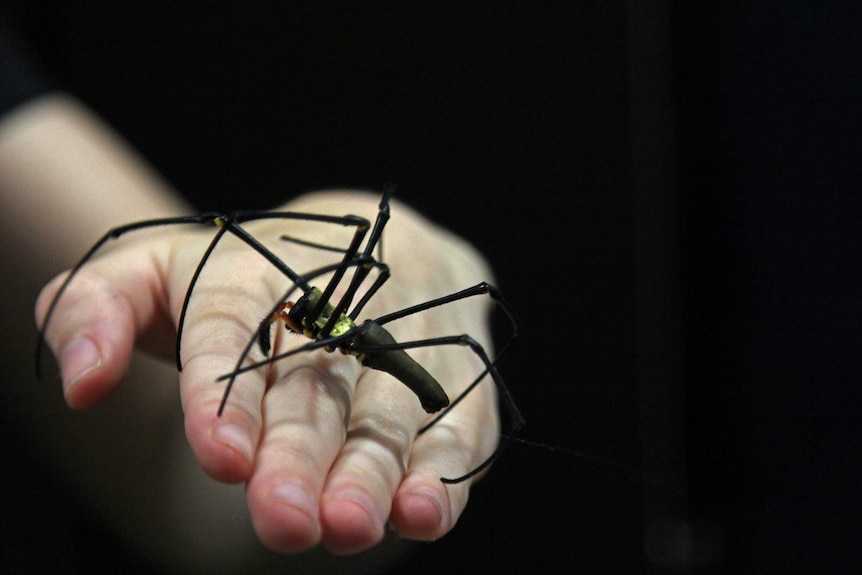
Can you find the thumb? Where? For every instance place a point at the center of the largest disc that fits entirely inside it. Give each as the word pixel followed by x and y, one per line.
pixel 91 325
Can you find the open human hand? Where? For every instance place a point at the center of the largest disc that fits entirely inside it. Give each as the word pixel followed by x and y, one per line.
pixel 329 450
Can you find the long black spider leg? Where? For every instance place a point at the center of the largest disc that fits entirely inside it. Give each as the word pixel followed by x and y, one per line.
pixel 349 256
pixel 381 278
pixel 332 341
pixel 187 298
pixel 478 289
pixel 231 224
pixel 382 268
pixel 361 271
pixel 111 234
pixel 310 244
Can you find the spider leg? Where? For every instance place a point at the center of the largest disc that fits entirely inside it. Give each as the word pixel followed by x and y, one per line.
pixel 111 234
pixel 310 244
pixel 517 420
pixel 311 345
pixel 382 277
pixel 361 271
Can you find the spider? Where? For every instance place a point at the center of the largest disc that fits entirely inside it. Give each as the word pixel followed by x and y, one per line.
pixel 332 324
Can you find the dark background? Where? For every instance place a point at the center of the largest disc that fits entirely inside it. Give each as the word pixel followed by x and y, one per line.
pixel 668 196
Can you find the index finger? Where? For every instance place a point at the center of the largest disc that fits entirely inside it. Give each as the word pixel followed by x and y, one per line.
pixel 221 320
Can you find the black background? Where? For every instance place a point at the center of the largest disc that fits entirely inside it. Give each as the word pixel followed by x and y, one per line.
pixel 668 196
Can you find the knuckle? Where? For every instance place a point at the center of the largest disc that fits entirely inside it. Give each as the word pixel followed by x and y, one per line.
pixel 382 437
pixel 87 303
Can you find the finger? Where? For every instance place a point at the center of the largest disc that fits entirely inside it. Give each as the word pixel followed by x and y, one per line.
pixel 305 420
pixel 357 498
pixel 95 322
pixel 220 321
pixel 425 508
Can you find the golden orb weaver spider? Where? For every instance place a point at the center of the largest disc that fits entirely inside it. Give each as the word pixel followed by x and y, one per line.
pixel 328 323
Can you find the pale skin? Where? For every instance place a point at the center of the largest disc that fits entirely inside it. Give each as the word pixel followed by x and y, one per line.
pixel 327 450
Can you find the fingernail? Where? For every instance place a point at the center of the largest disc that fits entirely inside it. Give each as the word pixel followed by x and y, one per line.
pixel 235 437
pixel 362 500
pixel 422 499
pixel 295 496
pixel 78 358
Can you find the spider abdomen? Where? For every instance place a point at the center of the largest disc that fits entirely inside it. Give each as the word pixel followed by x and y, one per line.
pixel 397 363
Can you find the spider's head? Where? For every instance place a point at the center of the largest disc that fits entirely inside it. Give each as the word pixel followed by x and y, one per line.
pixel 285 314
pixel 295 315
